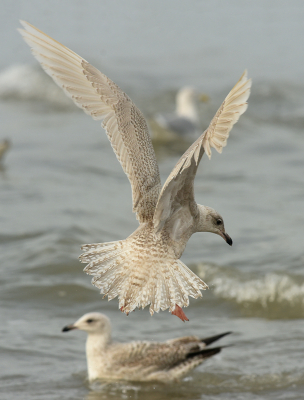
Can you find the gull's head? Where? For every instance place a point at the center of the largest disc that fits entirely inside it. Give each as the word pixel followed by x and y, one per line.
pixel 186 103
pixel 211 221
pixel 91 323
pixel 187 99
pixel 186 94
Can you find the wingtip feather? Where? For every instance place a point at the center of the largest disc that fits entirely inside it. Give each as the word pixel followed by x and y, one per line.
pixel 235 104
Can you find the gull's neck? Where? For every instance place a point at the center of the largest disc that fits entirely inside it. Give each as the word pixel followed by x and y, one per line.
pixel 186 107
pixel 96 345
pixel 202 223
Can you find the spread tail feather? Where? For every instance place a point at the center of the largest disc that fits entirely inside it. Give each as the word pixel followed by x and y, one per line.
pixel 139 280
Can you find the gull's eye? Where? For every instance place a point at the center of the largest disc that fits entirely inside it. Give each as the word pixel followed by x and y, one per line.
pixel 90 320
pixel 219 221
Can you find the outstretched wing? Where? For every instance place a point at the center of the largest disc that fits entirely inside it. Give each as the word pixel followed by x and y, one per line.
pixel 178 190
pixel 101 98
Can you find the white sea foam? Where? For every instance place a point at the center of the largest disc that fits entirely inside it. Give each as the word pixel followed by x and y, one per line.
pixel 25 82
pixel 280 291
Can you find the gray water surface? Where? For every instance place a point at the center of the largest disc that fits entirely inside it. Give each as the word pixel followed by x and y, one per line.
pixel 61 186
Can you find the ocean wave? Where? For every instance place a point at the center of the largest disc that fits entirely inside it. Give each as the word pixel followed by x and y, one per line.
pixel 270 102
pixel 26 82
pixel 273 295
pixel 278 103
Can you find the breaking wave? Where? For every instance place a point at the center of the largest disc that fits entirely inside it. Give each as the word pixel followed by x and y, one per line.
pixel 274 295
pixel 271 102
pixel 278 102
pixel 25 82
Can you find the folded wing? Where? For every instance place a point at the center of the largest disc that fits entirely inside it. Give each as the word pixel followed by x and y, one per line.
pixel 159 356
pixel 178 190
pixel 101 98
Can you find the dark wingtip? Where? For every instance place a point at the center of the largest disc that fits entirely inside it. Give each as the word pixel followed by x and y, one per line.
pixel 212 339
pixel 205 353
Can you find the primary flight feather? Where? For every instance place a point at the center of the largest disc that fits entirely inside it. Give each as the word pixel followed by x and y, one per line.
pixel 143 269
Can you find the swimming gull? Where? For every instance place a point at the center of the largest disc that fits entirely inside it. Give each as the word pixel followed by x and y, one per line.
pixel 185 121
pixel 4 146
pixel 141 360
pixel 145 268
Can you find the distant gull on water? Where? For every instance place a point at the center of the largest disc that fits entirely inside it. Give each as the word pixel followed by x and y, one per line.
pixel 145 268
pixel 184 122
pixel 4 146
pixel 141 360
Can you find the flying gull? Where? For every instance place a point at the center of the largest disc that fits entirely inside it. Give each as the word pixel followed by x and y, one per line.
pixel 141 360
pixel 145 268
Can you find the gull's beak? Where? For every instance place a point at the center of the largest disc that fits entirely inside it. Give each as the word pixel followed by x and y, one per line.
pixel 68 328
pixel 204 98
pixel 226 237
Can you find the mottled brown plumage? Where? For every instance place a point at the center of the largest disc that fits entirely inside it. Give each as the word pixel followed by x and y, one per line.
pixel 143 269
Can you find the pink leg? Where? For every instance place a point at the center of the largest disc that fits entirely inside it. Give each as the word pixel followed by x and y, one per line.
pixel 178 311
